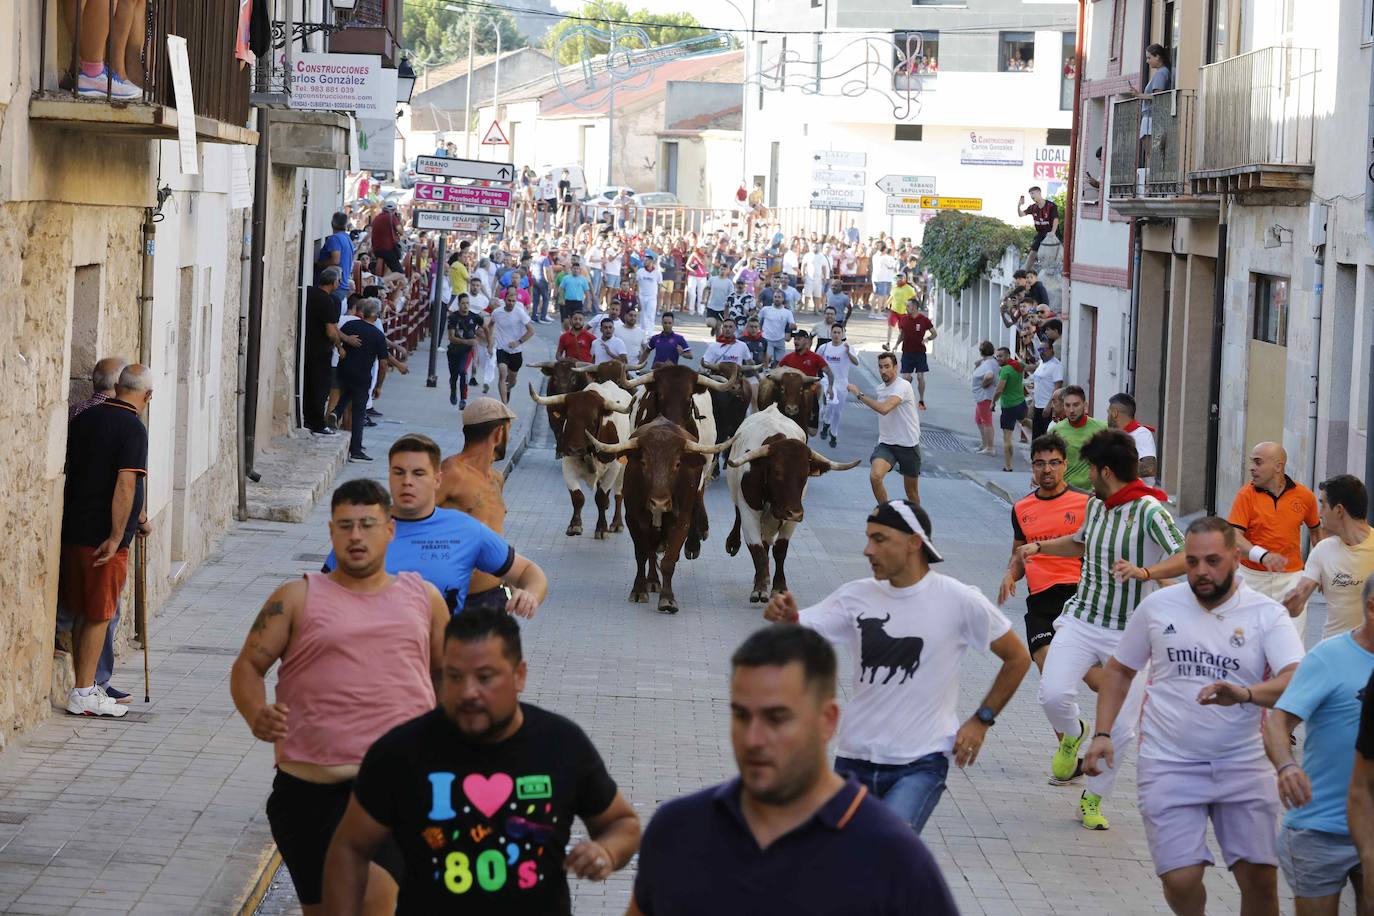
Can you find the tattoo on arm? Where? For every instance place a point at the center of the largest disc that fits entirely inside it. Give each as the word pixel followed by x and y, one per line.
pixel 269 610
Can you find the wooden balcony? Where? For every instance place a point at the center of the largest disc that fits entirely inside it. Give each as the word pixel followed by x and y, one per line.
pixel 1257 123
pixel 373 28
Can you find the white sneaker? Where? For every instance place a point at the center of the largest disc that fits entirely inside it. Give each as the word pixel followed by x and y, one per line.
pixel 94 704
pixel 96 87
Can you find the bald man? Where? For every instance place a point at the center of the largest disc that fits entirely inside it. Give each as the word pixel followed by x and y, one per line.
pixel 1268 514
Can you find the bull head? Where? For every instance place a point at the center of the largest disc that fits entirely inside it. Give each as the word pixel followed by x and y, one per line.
pixel 618 449
pixel 551 401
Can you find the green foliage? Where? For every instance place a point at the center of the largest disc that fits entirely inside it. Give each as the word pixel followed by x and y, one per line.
pixel 668 28
pixel 1060 200
pixel 957 246
pixel 436 35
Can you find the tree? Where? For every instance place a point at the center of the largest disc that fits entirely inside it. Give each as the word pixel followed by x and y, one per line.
pixel 437 35
pixel 605 15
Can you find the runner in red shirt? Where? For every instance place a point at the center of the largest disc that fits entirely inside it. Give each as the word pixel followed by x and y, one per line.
pixel 804 358
pixel 576 342
pixel 914 330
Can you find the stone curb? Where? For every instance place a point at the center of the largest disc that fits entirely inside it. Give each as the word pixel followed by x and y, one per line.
pixel 271 861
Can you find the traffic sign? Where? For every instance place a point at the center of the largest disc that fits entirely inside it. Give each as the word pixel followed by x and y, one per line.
pixel 464 195
pixel 907 185
pixel 952 203
pixel 832 158
pixel 495 137
pixel 837 198
pixel 458 221
pixel 903 206
pixel 444 167
pixel 853 177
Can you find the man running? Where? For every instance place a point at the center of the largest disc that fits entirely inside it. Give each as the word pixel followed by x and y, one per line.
pixel 469 483
pixel 1128 542
pixel 333 699
pixel 783 713
pixel 1052 510
pixel 576 342
pixel 465 332
pixel 1076 429
pixel 898 304
pixel 446 546
pixel 897 737
pixel 899 431
pixel 914 331
pixel 839 356
pixel 1011 399
pixel 1210 647
pixel 510 327
pixel 1268 515
pixel 726 350
pixel 480 794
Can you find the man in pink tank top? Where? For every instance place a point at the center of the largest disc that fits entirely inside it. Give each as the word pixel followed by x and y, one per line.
pixel 360 652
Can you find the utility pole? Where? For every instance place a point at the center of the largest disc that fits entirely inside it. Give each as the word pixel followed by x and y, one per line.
pixel 496 81
pixel 610 114
pixel 467 106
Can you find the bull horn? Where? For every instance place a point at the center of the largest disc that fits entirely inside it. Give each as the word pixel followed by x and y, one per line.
pixel 755 454
pixel 586 368
pixel 711 383
pixel 833 465
pixel 555 401
pixel 699 449
pixel 614 408
pixel 637 381
pixel 888 617
pixel 616 449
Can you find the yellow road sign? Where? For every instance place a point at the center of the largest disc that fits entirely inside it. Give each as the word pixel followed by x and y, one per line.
pixel 951 203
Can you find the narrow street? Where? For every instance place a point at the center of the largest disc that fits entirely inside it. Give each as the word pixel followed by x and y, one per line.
pixel 181 784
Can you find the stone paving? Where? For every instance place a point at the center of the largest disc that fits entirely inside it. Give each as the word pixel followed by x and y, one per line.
pixel 176 823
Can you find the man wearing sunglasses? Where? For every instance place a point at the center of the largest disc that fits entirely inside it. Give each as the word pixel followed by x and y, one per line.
pixel 1053 509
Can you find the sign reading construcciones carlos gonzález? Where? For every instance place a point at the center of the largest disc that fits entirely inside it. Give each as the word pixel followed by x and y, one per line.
pixel 340 82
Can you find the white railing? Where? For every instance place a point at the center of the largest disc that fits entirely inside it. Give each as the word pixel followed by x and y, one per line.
pixel 1258 109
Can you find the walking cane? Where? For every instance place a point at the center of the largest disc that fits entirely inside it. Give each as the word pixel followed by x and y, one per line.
pixel 141 604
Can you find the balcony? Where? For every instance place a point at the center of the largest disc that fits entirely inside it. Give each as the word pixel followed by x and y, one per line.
pixel 147 106
pixel 371 29
pixel 1257 122
pixel 1157 186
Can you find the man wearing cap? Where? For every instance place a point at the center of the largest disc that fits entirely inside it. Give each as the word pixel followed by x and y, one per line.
pixel 909 628
pixel 386 236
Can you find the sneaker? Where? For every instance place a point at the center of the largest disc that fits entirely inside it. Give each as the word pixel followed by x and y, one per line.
pixel 119 696
pixel 453 397
pixel 374 412
pixel 825 431
pixel 324 431
pixel 463 404
pixel 833 441
pixel 96 703
pixel 1066 758
pixel 1090 806
pixel 359 456
pixel 96 87
pixel 1077 775
pixel 368 421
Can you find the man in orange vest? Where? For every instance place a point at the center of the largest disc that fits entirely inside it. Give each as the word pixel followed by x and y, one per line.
pixel 1053 509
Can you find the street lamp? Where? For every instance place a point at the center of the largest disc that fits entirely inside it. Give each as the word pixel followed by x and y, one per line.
pixel 405 81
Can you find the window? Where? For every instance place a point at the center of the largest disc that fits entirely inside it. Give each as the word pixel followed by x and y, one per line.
pixel 907 132
pixel 1068 67
pixel 1218 30
pixel 1058 136
pixel 1017 52
pixel 1271 309
pixel 915 58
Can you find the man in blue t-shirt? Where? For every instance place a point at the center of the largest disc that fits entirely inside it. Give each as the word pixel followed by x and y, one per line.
pixel 337 251
pixel 573 289
pixel 1316 852
pixel 667 346
pixel 444 545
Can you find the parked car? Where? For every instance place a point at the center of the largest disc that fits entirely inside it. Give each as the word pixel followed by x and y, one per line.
pixel 658 201
pixel 599 204
pixel 408 173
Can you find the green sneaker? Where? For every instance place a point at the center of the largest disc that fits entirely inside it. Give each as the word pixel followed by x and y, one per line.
pixel 1065 760
pixel 1091 807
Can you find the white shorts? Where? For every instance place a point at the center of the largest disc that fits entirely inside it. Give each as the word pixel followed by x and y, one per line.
pixel 1178 797
pixel 811 289
pixel 1276 585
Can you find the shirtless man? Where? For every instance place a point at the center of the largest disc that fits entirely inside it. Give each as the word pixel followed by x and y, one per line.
pixel 471 485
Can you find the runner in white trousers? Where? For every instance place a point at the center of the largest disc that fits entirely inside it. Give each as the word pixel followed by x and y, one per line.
pixel 839 356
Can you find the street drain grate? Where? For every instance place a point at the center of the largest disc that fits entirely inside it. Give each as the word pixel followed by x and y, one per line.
pixel 941 440
pixel 207 650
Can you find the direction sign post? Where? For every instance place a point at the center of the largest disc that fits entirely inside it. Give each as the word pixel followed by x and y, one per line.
pixel 463 195
pixel 951 203
pixel 459 221
pixel 838 158
pixel 852 177
pixel 837 199
pixel 907 185
pixel 903 206
pixel 444 167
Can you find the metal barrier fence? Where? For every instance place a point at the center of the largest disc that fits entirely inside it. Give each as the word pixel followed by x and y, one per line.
pixel 1170 151
pixel 1258 109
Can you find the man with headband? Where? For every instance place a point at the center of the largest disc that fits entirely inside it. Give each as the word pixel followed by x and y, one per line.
pixel 909 627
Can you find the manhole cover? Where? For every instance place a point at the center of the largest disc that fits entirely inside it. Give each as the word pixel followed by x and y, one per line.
pixel 941 440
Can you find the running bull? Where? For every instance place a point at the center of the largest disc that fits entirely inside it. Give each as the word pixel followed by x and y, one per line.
pixel 601 409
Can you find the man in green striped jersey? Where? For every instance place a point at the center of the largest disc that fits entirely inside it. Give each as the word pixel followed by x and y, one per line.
pixel 1127 543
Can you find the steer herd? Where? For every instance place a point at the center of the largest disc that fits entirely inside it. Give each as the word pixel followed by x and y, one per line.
pixel 652 443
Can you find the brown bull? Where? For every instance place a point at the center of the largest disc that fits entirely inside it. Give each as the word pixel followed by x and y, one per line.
pixel 794 392
pixel 563 378
pixel 662 489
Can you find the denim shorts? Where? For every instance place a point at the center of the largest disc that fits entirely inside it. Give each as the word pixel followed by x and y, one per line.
pixel 882 287
pixel 1316 863
pixel 910 789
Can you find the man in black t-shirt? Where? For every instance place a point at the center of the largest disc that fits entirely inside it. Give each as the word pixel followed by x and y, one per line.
pixel 463 327
pixel 321 337
pixel 355 372
pixel 480 794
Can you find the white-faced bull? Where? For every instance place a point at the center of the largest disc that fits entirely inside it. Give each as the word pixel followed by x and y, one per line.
pixel 601 409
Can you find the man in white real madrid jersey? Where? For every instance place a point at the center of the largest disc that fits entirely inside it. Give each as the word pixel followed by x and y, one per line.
pixel 1208 646
pixel 1128 541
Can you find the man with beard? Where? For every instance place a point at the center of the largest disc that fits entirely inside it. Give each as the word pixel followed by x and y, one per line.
pixel 332 698
pixel 1127 543
pixel 900 732
pixel 1208 646
pixel 760 836
pixel 480 794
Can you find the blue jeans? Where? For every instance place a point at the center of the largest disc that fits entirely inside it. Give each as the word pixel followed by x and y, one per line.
pixel 539 300
pixel 776 349
pixel 595 274
pixel 911 789
pixel 105 666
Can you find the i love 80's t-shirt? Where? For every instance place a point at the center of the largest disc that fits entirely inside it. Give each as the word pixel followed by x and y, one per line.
pixel 483 828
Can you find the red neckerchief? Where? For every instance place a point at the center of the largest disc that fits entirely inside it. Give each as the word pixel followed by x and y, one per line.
pixel 1133 490
pixel 1079 424
pixel 1130 427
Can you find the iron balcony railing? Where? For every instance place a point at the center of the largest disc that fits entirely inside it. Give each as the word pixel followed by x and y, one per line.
pixel 1257 109
pixel 1153 164
pixel 218 79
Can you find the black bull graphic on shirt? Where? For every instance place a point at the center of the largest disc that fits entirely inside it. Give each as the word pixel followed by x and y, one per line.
pixel 878 650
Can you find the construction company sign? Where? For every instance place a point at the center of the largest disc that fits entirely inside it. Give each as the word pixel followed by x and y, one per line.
pixel 1051 168
pixel 1007 148
pixel 340 82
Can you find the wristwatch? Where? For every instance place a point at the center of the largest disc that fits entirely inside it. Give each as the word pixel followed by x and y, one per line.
pixel 984 715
